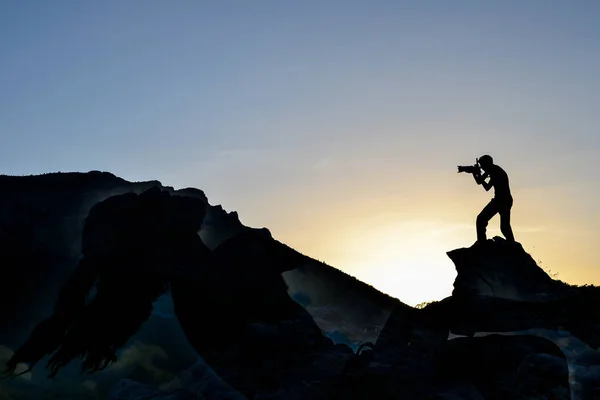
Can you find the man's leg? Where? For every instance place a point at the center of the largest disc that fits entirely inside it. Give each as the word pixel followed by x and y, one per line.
pixel 483 218
pixel 505 227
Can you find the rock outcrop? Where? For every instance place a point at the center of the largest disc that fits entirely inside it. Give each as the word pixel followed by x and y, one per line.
pixel 499 288
pixel 501 269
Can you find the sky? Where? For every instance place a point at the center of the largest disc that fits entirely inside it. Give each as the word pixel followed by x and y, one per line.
pixel 336 124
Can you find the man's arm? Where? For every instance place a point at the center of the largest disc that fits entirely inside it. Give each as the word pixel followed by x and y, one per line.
pixel 487 185
pixel 480 179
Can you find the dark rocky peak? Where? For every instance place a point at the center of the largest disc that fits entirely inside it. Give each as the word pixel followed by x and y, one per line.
pixel 258 251
pixel 502 269
pixel 192 192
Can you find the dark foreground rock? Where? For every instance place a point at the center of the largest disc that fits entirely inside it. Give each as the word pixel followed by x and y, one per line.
pixel 507 367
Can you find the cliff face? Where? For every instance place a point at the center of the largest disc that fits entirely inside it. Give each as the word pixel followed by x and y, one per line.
pixel 273 323
pixel 41 224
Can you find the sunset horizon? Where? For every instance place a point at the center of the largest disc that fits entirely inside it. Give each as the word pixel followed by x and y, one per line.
pixel 338 126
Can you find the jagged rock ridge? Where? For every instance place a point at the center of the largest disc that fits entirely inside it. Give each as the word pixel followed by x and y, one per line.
pixel 498 289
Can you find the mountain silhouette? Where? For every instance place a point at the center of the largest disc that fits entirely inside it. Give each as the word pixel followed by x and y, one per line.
pixel 159 294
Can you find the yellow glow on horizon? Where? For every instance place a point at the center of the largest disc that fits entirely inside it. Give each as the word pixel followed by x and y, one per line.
pixel 406 259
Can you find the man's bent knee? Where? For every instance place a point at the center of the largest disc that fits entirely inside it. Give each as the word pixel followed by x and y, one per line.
pixel 506 228
pixel 481 221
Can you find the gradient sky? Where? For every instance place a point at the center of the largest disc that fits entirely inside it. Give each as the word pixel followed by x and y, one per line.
pixel 336 124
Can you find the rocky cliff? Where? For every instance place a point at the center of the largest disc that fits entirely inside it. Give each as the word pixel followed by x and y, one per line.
pixel 257 319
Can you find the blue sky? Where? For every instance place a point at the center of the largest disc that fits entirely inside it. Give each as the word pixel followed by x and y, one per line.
pixel 319 118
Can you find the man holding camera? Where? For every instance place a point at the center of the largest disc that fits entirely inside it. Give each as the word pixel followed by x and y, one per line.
pixel 502 201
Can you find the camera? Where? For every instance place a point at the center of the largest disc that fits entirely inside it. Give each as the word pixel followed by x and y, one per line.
pixel 470 169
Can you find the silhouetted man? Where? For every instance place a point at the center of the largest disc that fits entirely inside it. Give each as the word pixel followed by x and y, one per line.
pixel 500 204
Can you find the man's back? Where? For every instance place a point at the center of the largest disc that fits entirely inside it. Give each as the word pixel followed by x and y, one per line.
pixel 499 179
